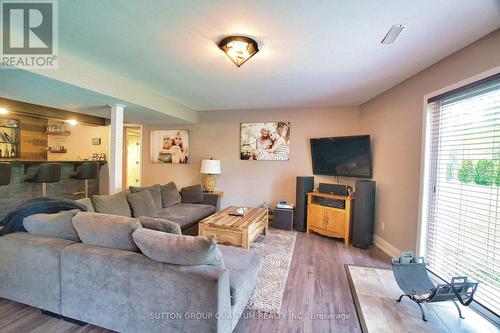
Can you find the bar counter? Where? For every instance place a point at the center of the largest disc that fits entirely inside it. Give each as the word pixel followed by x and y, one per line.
pixel 18 190
pixel 31 161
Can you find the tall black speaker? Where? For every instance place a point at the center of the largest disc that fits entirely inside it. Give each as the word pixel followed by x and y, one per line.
pixel 304 185
pixel 364 214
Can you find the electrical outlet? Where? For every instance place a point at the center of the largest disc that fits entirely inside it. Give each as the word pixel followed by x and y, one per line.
pixel 382 225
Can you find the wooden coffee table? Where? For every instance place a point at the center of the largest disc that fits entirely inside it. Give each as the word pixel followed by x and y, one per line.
pixel 235 230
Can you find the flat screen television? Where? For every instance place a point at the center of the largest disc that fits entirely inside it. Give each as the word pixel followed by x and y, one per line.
pixel 344 156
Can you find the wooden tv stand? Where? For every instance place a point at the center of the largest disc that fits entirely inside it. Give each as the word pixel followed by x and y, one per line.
pixel 329 221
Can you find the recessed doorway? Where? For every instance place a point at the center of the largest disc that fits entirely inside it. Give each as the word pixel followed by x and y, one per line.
pixel 132 158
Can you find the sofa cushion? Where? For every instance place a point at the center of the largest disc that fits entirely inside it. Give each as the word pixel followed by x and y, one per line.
pixel 142 204
pixel 57 225
pixel 160 225
pixel 186 214
pixel 242 266
pixel 87 203
pixel 192 194
pixel 178 249
pixel 170 195
pixel 115 204
pixel 106 230
pixel 155 191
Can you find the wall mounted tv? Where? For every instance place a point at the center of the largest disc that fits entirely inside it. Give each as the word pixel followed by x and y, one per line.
pixel 343 156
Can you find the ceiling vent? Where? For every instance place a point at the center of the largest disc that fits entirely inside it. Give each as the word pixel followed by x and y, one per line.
pixel 393 33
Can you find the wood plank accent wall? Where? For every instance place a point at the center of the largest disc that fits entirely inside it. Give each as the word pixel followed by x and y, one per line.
pixel 34 141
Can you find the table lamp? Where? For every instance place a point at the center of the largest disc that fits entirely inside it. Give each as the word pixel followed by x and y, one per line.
pixel 210 168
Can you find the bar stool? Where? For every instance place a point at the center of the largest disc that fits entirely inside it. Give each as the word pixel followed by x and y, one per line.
pixel 46 173
pixel 86 171
pixel 5 172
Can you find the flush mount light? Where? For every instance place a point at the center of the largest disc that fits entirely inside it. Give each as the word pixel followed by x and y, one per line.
pixel 3 111
pixel 239 48
pixel 393 33
pixel 72 122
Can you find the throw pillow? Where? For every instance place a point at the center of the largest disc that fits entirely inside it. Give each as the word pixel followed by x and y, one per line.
pixel 87 203
pixel 192 194
pixel 115 204
pixel 155 191
pixel 160 225
pixel 52 225
pixel 170 195
pixel 142 204
pixel 178 249
pixel 106 230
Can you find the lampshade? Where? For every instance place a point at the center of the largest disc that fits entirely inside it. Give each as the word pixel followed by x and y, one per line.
pixel 239 48
pixel 211 167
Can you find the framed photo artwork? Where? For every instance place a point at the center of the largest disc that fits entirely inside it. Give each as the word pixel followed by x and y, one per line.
pixel 169 146
pixel 265 141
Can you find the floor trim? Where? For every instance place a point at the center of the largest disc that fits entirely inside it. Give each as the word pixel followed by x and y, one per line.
pixel 385 246
pixel 357 305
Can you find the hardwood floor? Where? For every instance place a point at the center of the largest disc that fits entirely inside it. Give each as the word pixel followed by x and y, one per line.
pixel 317 285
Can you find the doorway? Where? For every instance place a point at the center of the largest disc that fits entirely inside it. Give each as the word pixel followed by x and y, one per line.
pixel 132 165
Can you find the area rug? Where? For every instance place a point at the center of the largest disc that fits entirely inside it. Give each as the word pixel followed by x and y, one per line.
pixel 375 292
pixel 276 251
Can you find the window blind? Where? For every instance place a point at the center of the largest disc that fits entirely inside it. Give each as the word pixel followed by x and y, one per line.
pixel 463 215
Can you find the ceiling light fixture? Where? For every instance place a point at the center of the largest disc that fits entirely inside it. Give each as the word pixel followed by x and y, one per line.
pixel 3 111
pixel 239 48
pixel 393 33
pixel 72 122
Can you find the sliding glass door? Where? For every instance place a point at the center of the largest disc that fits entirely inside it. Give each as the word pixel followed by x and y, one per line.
pixel 462 231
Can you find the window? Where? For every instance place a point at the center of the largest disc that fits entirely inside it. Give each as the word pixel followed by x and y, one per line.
pixel 462 217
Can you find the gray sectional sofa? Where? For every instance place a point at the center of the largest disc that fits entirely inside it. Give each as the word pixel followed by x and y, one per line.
pixel 99 275
pixel 185 207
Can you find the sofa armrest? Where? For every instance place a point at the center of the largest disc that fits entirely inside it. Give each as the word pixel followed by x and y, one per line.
pixel 212 199
pixel 30 270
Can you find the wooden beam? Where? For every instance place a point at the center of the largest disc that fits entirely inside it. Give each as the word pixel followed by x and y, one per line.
pixel 45 112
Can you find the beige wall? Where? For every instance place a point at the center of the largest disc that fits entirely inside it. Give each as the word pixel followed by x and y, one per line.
pixel 394 119
pixel 251 182
pixel 79 143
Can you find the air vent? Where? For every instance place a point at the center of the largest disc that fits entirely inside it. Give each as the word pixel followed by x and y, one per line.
pixel 393 33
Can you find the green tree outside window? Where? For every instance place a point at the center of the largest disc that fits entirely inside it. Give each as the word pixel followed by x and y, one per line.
pixel 484 173
pixel 466 172
pixel 497 181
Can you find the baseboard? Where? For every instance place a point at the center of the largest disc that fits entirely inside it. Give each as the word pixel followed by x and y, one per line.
pixel 385 246
pixel 74 321
pixel 52 314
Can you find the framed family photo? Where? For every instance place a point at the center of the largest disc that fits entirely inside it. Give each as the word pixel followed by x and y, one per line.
pixel 169 146
pixel 265 141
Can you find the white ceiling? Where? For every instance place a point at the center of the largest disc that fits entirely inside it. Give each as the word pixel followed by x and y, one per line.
pixel 313 53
